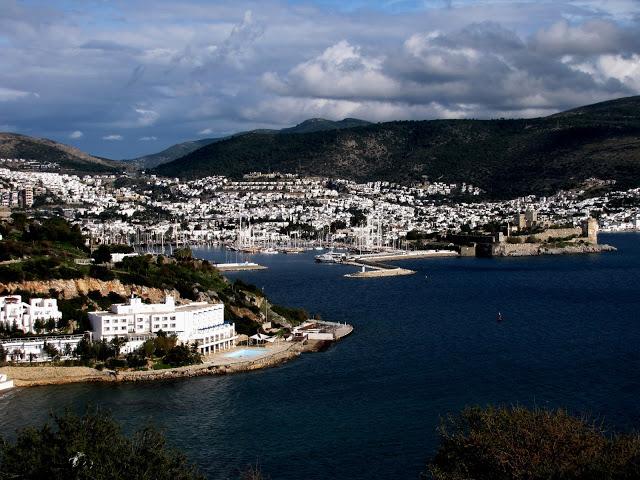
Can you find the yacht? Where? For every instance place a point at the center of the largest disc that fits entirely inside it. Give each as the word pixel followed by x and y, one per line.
pixel 331 257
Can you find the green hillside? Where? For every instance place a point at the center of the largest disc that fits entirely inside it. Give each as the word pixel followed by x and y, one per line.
pixel 505 157
pixel 13 145
pixel 181 149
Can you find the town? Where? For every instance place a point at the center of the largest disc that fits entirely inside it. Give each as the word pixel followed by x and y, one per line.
pixel 264 211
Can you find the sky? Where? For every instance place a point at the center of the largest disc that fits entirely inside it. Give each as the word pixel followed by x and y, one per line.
pixel 122 78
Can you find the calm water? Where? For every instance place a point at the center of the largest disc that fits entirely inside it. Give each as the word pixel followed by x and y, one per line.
pixel 425 345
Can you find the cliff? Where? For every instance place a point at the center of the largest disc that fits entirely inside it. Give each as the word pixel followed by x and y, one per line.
pixel 68 289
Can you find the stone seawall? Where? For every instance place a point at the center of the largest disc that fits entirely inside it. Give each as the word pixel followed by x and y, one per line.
pixel 534 249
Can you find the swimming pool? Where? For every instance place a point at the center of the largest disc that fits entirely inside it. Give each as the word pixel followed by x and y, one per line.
pixel 246 353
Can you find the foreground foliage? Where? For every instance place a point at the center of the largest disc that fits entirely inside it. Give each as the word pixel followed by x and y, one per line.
pixel 91 447
pixel 521 444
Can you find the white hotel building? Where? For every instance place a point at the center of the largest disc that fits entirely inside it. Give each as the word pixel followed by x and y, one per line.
pixel 199 322
pixel 13 311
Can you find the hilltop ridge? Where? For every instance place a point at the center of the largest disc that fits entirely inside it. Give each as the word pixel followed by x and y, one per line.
pixel 14 145
pixel 504 157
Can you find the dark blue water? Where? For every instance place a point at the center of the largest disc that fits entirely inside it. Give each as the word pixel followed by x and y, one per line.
pixel 423 347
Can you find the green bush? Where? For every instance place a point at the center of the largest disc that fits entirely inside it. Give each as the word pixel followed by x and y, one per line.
pixel 91 447
pixel 114 363
pixel 521 444
pixel 295 315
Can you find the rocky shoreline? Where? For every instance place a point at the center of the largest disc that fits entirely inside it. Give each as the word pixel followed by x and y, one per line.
pixel 31 376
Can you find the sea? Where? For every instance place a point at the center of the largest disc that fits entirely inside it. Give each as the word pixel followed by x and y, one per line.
pixel 424 346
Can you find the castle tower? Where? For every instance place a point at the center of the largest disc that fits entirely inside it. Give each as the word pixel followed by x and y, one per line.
pixel 590 230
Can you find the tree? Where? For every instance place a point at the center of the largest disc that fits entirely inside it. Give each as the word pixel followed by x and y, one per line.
pixel 181 355
pixel 148 348
pixel 38 326
pixel 3 354
pixel 50 325
pixel 164 343
pixel 117 343
pixel 521 444
pixel 85 350
pixel 50 350
pixel 92 447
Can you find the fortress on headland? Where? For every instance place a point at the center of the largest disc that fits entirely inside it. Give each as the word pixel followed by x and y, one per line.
pixel 527 236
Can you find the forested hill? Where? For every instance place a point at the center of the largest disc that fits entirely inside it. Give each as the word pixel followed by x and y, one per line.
pixel 13 145
pixel 181 149
pixel 506 158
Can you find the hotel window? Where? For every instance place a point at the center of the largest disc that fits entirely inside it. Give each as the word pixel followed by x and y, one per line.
pixel 173 325
pixel 124 327
pixel 164 325
pixel 106 320
pixel 106 329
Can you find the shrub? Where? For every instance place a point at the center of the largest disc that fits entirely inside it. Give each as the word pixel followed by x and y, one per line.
pixel 92 446
pixel 295 315
pixel 114 363
pixel 521 444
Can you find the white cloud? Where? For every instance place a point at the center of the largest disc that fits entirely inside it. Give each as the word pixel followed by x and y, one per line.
pixel 206 131
pixel 146 117
pixel 9 94
pixel 341 71
pixel 148 139
pixel 113 137
pixel 76 134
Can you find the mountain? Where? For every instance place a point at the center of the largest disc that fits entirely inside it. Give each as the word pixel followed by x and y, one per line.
pixel 13 145
pixel 169 154
pixel 321 125
pixel 507 158
pixel 181 149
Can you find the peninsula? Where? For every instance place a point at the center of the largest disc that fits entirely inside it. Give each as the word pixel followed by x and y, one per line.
pixel 71 312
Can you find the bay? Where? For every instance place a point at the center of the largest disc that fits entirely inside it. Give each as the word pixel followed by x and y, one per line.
pixel 424 346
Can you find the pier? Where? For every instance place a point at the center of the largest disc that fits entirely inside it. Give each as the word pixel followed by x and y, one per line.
pixel 372 266
pixel 239 267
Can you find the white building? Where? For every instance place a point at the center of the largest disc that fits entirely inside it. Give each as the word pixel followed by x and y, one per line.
pixel 199 322
pixel 32 349
pixel 14 311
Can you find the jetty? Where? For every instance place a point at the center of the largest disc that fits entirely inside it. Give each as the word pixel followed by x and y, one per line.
pixel 373 270
pixel 372 267
pixel 238 267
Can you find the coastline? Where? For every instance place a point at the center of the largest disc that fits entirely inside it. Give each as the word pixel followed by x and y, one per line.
pixel 218 364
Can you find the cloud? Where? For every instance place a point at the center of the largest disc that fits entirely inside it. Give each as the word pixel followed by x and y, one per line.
pixel 481 70
pixel 146 117
pixel 113 138
pixel 148 139
pixel 341 71
pixel 76 134
pixel 593 37
pixel 227 66
pixel 10 94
